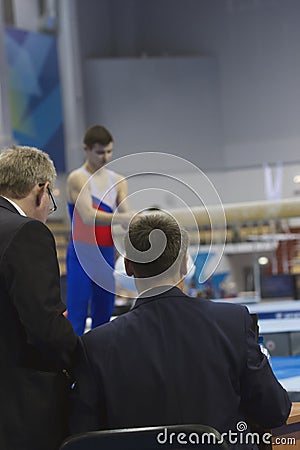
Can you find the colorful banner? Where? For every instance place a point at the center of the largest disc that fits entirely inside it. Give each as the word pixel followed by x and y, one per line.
pixel 35 92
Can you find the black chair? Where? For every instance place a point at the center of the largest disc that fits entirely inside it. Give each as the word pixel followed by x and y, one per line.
pixel 173 437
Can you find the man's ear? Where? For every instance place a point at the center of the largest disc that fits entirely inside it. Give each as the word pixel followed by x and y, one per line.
pixel 183 265
pixel 39 192
pixel 128 267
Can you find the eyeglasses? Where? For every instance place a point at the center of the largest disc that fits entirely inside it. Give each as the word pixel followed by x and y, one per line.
pixel 53 207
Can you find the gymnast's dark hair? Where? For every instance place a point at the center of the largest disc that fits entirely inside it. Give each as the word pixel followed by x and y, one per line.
pixel 97 134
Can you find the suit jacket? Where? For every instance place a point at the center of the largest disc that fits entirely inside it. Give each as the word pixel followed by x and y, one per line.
pixel 36 341
pixel 174 359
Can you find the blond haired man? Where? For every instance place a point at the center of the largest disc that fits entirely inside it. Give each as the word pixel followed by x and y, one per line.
pixel 37 342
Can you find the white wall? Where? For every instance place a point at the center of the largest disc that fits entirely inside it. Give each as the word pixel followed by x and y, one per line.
pixel 249 184
pixel 257 48
pixel 232 186
pixel 158 104
pixel 260 65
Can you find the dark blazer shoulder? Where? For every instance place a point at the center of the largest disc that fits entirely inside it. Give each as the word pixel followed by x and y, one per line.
pixel 227 311
pixel 28 228
pixel 227 306
pixel 8 213
pixel 7 205
pixel 10 217
pixel 21 229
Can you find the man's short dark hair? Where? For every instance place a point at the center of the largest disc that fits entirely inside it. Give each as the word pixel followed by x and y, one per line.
pixel 137 238
pixel 97 134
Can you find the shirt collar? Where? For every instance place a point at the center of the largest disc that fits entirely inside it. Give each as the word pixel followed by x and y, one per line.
pixel 20 210
pixel 157 293
pixel 157 290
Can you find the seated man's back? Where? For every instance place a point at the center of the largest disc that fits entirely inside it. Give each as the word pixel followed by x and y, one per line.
pixel 173 360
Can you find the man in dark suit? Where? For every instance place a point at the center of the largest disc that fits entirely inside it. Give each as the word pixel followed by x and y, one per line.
pixel 37 342
pixel 173 359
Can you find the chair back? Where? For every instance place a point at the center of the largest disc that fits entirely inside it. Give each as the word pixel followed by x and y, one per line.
pixel 175 437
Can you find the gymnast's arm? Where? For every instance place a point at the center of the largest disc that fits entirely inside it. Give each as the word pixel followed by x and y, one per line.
pixel 78 191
